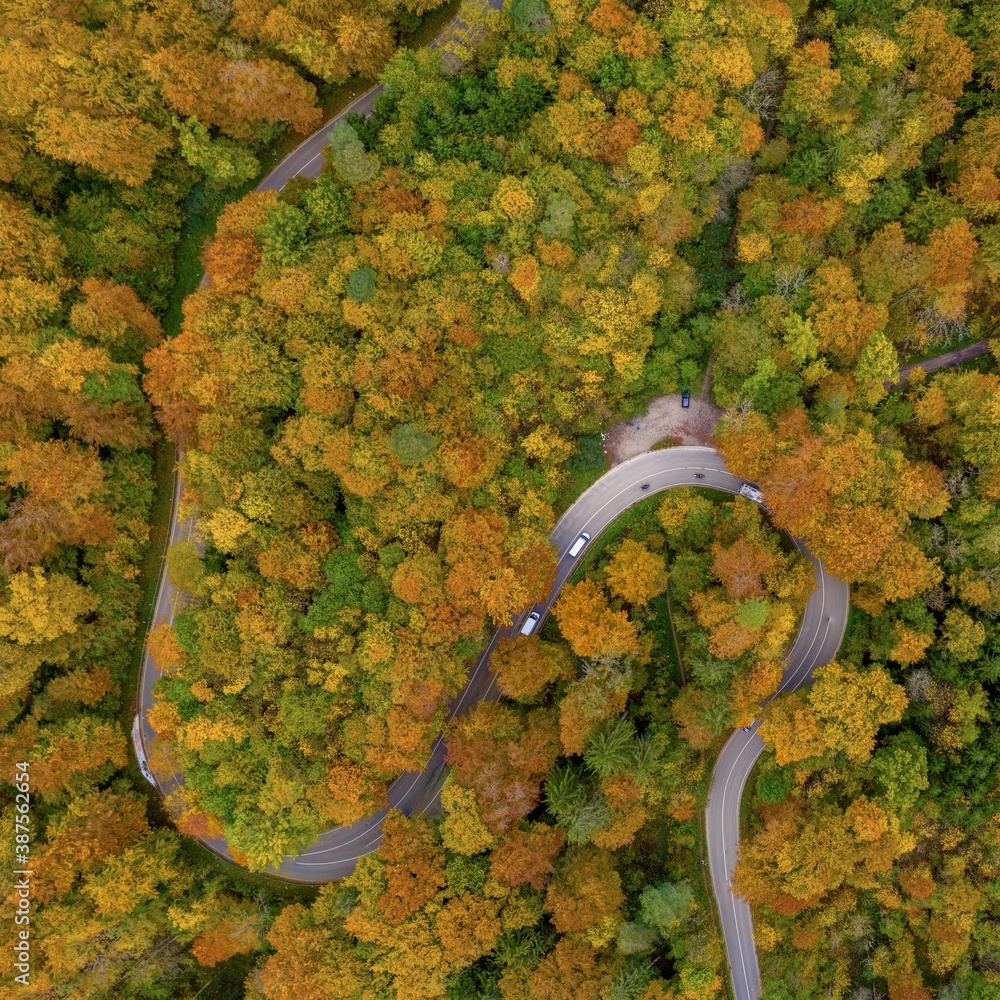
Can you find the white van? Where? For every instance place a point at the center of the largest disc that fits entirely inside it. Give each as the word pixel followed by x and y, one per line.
pixel 751 493
pixel 529 623
pixel 579 544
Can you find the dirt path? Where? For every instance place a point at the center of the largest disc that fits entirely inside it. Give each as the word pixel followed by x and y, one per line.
pixel 947 360
pixel 665 420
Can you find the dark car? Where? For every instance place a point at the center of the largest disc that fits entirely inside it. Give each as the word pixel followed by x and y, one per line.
pixel 686 397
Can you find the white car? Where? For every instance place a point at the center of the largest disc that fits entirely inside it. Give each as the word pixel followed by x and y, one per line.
pixel 529 623
pixel 752 493
pixel 579 544
pixel 140 752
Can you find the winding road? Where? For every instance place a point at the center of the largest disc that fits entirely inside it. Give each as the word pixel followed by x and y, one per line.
pixel 817 642
pixel 335 852
pixel 306 160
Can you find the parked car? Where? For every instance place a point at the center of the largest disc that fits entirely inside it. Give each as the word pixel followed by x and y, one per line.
pixel 529 623
pixel 686 398
pixel 751 493
pixel 579 544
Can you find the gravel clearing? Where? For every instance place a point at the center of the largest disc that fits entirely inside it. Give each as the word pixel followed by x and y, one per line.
pixel 665 421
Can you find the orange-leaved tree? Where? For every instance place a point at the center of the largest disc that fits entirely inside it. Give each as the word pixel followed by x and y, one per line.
pixel 588 623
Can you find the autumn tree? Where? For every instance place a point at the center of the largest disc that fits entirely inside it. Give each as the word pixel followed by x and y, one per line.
pixel 503 758
pixel 571 971
pixel 124 147
pixel 525 856
pixel 636 574
pixel 526 665
pixel 842 710
pixel 113 315
pixel 597 694
pixel 589 624
pixel 811 482
pixel 586 896
pixel 42 621
pixel 463 829
pixel 414 865
pixel 310 961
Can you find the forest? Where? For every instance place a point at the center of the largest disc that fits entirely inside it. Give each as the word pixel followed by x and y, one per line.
pixel 392 383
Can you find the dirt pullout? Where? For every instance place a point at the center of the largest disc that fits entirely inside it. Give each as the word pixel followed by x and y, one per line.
pixel 665 420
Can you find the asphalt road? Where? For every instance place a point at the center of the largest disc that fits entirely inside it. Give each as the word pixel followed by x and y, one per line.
pixel 816 643
pixel 306 160
pixel 335 852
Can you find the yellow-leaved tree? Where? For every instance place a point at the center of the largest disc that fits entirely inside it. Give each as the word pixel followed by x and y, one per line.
pixel 636 574
pixel 39 623
pixel 842 711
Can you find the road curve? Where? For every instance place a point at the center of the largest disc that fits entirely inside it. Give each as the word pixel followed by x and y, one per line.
pixel 306 160
pixel 817 642
pixel 335 852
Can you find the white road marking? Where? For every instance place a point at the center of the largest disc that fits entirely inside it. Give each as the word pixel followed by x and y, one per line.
pixel 729 869
pixel 806 661
pixel 482 662
pixel 562 574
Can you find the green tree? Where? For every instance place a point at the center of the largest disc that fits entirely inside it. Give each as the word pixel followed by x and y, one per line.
pixel 350 159
pixel 665 905
pixel 900 768
pixel 962 635
pixel 361 284
pixel 772 786
pixel 224 163
pixel 411 444
pixel 800 339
